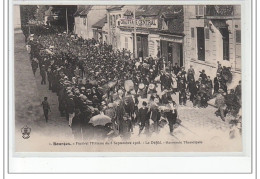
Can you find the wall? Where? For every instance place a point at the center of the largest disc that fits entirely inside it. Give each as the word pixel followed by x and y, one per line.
pixel 95 14
pixel 153 44
pixel 80 28
pixel 213 46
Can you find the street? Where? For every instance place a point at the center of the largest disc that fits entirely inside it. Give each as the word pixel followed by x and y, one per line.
pixel 200 124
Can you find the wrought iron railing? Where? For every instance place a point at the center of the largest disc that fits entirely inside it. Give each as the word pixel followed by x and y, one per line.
pixel 219 10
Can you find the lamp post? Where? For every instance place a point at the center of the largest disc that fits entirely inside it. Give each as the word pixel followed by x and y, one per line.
pixel 135 40
pixel 67 24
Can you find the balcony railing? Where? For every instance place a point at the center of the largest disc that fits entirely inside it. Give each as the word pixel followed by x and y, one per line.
pixel 219 10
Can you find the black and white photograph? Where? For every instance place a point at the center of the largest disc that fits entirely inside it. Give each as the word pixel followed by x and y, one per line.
pixel 127 78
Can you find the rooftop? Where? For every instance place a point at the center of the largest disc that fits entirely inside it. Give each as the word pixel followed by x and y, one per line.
pixel 100 23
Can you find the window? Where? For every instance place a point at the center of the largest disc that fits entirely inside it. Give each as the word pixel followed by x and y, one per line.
pixel 164 25
pixel 113 20
pixel 238 36
pixel 199 10
pixel 201 43
pixel 206 33
pixel 84 21
pixel 192 33
pixel 126 42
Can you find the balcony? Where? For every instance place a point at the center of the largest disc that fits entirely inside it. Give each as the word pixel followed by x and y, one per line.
pixel 219 11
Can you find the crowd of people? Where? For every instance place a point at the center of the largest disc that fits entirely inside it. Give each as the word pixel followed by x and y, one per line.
pixel 90 78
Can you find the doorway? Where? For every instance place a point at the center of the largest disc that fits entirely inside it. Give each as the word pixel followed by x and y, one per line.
pixel 142 44
pixel 201 43
pixel 225 36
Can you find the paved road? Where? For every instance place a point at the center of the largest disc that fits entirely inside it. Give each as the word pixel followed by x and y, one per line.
pixel 197 123
pixel 29 94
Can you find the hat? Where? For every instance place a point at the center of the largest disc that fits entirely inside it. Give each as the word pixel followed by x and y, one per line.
pixel 141 86
pixel 120 91
pixel 151 86
pixel 156 100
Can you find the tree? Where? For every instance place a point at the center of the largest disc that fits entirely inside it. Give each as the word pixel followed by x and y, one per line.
pixel 27 13
pixel 61 12
pixel 40 13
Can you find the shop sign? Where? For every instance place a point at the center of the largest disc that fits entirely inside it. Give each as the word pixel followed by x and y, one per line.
pixel 171 39
pixel 143 23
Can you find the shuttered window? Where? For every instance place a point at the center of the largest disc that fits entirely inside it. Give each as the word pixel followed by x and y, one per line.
pixel 126 42
pixel 206 33
pixel 200 10
pixel 192 32
pixel 238 36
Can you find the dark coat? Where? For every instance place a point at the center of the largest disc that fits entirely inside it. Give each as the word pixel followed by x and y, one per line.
pixel 70 105
pixel 143 114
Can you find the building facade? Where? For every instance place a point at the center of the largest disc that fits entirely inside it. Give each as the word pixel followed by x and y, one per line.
pixel 97 29
pixel 212 36
pixel 85 18
pixel 159 32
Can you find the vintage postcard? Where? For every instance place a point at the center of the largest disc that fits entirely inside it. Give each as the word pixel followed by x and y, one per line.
pixel 127 78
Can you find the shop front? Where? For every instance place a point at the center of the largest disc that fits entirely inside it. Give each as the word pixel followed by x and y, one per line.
pixel 172 49
pixel 144 40
pixel 142 45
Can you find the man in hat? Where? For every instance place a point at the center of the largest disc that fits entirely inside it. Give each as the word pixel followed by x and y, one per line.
pixel 192 89
pixel 182 93
pixel 46 108
pixel 155 114
pixel 238 91
pixel 176 69
pixel 143 115
pixel 49 75
pixel 171 115
pixel 220 103
pixel 191 74
pixel 216 83
pixel 43 74
pixel 70 108
pixel 34 65
pixel 203 77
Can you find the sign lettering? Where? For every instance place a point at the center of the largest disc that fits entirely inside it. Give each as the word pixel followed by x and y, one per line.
pixel 144 23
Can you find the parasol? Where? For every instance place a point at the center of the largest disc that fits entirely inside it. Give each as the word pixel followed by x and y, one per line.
pixel 146 65
pixel 100 120
pixel 108 85
pixel 129 85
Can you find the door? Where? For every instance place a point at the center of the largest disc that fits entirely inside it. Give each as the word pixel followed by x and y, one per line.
pixel 142 44
pixel 145 45
pixel 225 37
pixel 201 43
pixel 181 55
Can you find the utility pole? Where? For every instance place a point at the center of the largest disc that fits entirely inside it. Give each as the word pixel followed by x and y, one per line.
pixel 67 24
pixel 135 40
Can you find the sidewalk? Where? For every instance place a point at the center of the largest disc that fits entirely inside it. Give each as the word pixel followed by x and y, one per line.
pixel 29 94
